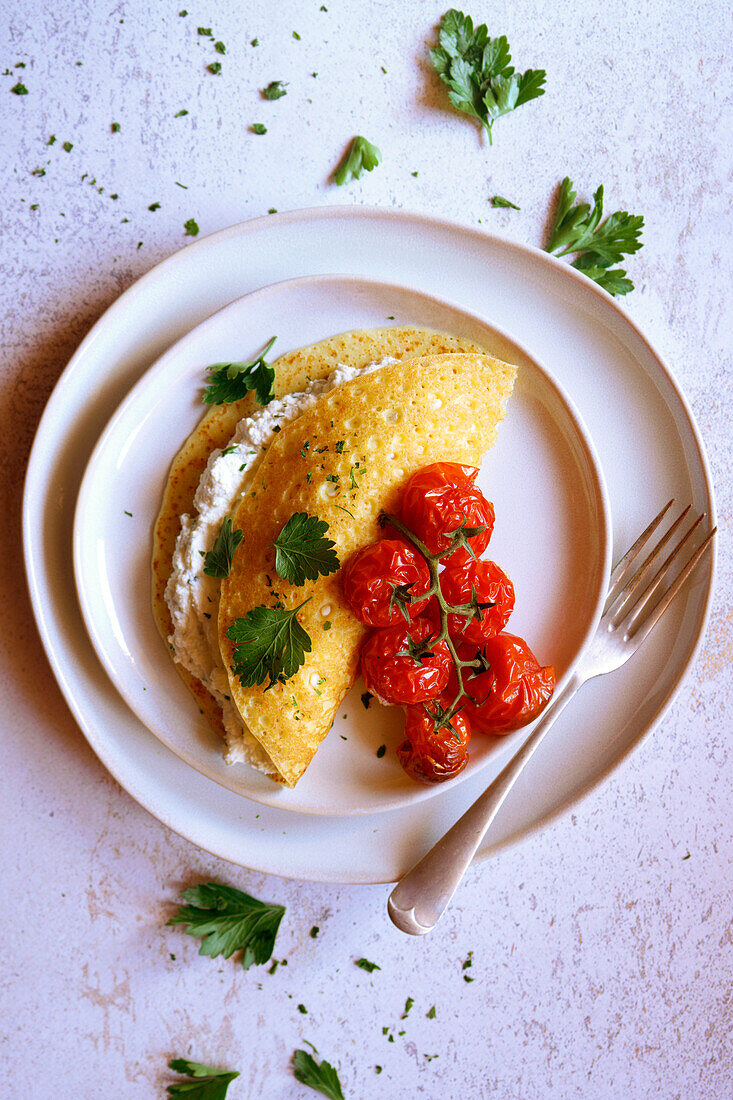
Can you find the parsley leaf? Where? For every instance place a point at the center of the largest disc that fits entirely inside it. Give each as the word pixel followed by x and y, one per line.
pixel 497 200
pixel 229 921
pixel 478 71
pixel 361 157
pixel 208 1083
pixel 364 964
pixel 191 227
pixel 274 90
pixel 319 1076
pixel 232 381
pixel 301 551
pixel 19 89
pixel 270 642
pixel 218 561
pixel 258 128
pixel 599 244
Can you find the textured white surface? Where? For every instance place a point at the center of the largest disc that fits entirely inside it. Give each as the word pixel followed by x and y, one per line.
pixel 601 955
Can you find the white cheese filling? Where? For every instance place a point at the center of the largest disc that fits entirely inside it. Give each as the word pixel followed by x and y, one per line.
pixel 192 597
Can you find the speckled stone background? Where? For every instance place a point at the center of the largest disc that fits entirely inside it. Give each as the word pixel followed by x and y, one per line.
pixel 602 954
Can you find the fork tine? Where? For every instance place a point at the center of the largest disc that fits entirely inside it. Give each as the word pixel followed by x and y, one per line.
pixel 618 576
pixel 639 634
pixel 622 603
pixel 634 608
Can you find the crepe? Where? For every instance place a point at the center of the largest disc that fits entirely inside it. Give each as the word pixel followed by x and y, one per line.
pixel 387 425
pixel 292 374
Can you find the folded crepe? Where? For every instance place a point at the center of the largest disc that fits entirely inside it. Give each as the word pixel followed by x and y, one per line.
pixel 345 460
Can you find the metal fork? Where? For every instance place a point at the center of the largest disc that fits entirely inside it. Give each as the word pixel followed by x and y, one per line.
pixel 636 601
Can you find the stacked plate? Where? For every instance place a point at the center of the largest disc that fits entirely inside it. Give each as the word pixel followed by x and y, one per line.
pixel 596 427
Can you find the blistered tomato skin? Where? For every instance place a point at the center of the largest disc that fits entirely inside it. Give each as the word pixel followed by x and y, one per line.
pixel 369 576
pixel 513 692
pixel 441 497
pixel 429 756
pixel 394 675
pixel 491 585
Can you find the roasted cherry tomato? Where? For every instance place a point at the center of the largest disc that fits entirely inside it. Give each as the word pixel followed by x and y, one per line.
pixel 432 756
pixel 438 499
pixel 491 585
pixel 513 691
pixel 396 677
pixel 369 578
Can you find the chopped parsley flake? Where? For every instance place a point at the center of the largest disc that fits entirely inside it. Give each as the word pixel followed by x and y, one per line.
pixel 258 128
pixel 220 47
pixel 255 42
pixel 191 228
pixel 154 206
pixel 67 146
pixel 206 31
pixel 296 36
pixel 214 68
pixel 302 1009
pixel 116 127
pixel 408 1005
pixel 180 114
pixel 498 200
pixel 327 624
pixel 274 90
pixel 314 931
pixel 364 964
pixel 431 1013
pixel 51 140
pixel 19 89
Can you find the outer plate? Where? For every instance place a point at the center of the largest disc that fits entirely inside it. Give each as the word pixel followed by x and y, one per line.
pixel 648 446
pixel 552 525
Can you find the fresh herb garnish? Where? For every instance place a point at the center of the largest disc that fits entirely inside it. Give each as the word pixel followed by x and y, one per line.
pixel 408 1005
pixel 498 200
pixel 274 90
pixel 181 113
pixel 214 68
pixel 270 645
pixel 360 157
pixel 115 127
pixel 296 36
pixel 51 140
pixel 302 552
pixel 191 228
pixel 478 71
pixel 19 89
pixel 232 381
pixel 207 1083
pixel 258 128
pixel 319 1076
pixel 206 31
pixel 578 229
pixel 364 964
pixel 430 1014
pixel 218 561
pixel 303 1010
pixel 154 206
pixel 220 47
pixel 228 921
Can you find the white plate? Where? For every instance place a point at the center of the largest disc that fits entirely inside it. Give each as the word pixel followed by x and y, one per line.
pixel 552 534
pixel 642 428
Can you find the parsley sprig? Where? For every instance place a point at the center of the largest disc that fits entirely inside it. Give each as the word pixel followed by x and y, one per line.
pixel 270 645
pixel 360 157
pixel 478 71
pixel 578 229
pixel 302 552
pixel 218 561
pixel 232 381
pixel 227 920
pixel 320 1076
pixel 207 1083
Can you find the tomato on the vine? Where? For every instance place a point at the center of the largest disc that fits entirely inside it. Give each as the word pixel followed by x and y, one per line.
pixel 430 755
pixel 491 585
pixel 438 499
pixel 392 674
pixel 513 691
pixel 369 578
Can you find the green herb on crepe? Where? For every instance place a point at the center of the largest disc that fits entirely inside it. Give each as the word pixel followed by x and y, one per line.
pixel 478 71
pixel 364 964
pixel 270 645
pixel 191 228
pixel 497 200
pixel 218 561
pixel 206 1083
pixel 258 128
pixel 274 90
pixel 228 920
pixel 232 381
pixel 578 229
pixel 361 157
pixel 320 1076
pixel 302 552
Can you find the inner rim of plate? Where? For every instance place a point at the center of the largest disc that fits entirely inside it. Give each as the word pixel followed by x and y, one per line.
pixel 360 295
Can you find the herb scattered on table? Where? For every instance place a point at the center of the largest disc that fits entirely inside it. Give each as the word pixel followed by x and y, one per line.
pixel 258 128
pixel 270 644
pixel 364 964
pixel 319 1076
pixel 478 71
pixel 274 90
pixel 191 228
pixel 218 561
pixel 498 200
pixel 228 920
pixel 207 1083
pixel 578 230
pixel 232 381
pixel 360 157
pixel 302 552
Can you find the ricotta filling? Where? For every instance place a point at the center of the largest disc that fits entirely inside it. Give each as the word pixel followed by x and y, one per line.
pixel 192 597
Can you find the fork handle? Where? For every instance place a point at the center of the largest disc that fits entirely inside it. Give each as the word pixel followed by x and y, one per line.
pixel 420 898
